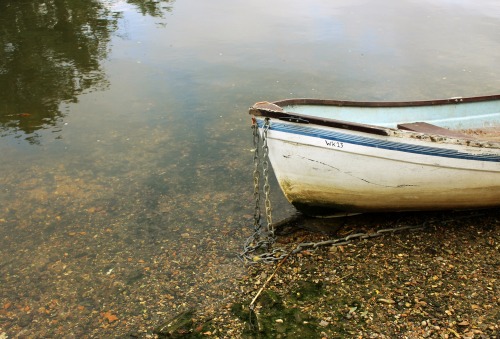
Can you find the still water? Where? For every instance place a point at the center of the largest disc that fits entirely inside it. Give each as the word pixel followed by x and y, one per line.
pixel 125 163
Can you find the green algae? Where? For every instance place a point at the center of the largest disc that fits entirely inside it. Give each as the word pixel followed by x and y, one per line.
pixel 280 317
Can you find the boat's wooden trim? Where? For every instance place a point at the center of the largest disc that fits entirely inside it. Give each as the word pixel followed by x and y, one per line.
pixel 267 106
pixel 269 110
pixel 328 102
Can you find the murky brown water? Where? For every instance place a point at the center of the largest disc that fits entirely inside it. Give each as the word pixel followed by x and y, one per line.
pixel 125 186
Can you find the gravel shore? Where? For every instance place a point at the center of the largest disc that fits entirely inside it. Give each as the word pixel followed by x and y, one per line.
pixel 437 282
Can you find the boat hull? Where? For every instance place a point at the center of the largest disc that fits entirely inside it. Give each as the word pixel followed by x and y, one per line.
pixel 324 170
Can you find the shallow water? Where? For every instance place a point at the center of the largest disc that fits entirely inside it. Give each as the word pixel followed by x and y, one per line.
pixel 125 184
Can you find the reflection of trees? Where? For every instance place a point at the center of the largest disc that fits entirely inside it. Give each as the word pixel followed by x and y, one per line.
pixel 153 8
pixel 50 52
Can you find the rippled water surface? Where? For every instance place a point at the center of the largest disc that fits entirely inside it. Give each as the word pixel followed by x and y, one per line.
pixel 125 186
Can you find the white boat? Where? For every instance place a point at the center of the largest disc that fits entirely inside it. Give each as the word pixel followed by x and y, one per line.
pixel 334 156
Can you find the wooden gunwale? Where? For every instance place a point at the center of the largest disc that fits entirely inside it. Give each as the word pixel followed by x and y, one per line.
pixel 340 103
pixel 302 118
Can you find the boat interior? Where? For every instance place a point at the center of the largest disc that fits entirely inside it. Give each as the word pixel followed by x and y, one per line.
pixel 472 118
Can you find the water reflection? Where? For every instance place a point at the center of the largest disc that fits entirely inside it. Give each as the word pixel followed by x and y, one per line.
pixel 51 53
pixel 153 8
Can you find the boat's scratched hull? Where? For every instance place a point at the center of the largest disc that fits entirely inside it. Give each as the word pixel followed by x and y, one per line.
pixel 324 170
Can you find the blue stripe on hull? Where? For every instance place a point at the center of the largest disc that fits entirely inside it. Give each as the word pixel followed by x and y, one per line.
pixel 370 142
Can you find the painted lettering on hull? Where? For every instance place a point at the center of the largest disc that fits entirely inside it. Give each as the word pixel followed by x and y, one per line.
pixel 336 144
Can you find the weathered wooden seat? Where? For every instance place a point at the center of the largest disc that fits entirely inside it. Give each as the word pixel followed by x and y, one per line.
pixel 424 127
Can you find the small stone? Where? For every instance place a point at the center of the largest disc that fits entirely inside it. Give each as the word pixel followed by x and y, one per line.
pixel 463 323
pixel 324 323
pixel 386 301
pixel 279 321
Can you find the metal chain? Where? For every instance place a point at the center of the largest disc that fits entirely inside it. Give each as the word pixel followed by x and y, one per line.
pixel 256 176
pixel 279 254
pixel 348 239
pixel 265 172
pixel 263 240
